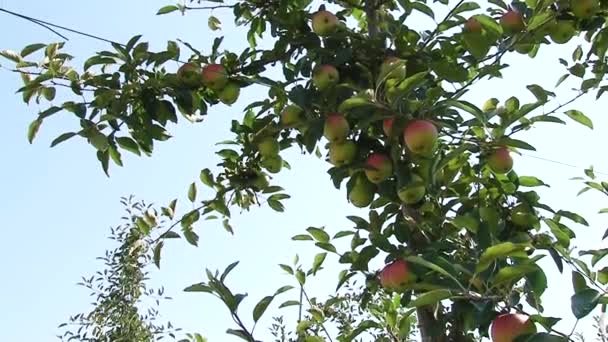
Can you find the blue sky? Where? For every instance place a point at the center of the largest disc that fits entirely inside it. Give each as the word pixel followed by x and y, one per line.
pixel 58 205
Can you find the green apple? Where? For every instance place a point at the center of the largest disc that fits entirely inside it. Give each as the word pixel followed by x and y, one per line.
pixel 562 31
pixel 268 147
pixel 508 327
pixel 230 93
pixel 291 116
pixel 378 167
pixel 396 275
pixel 189 75
pixel 420 137
pixel 512 22
pixel 362 193
pixel 342 153
pixel 325 76
pixel 259 181
pixel 523 216
pixel 393 68
pixel 273 164
pixel 500 161
pixel 412 192
pixel 215 76
pixel 584 8
pixel 336 127
pixel 324 23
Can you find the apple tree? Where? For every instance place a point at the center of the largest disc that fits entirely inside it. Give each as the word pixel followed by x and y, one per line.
pixel 460 232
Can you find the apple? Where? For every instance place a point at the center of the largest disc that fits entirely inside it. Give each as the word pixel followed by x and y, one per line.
pixel 362 193
pixel 291 116
pixel 336 127
pixel 584 8
pixel 472 26
pixel 420 136
pixel 215 76
pixel 189 74
pixel 268 147
pixel 562 31
pixel 500 161
pixel 378 167
pixel 393 68
pixel 342 153
pixel 273 164
pixel 259 181
pixel 414 191
pixel 512 22
pixel 507 327
pixel 324 23
pixel 230 93
pixel 396 275
pixel 523 216
pixel 387 126
pixel 325 76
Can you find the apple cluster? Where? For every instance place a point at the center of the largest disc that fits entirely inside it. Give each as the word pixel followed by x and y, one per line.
pixel 212 76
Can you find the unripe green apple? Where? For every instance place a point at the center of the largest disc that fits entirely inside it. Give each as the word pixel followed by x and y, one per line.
pixel 472 26
pixel 507 327
pixel 325 76
pixel 269 147
pixel 336 127
pixel 512 22
pixel 562 31
pixel 291 116
pixel 215 76
pixel 273 164
pixel 500 161
pixel 387 126
pixel 396 276
pixel 584 8
pixel 412 192
pixel 393 68
pixel 324 23
pixel 420 136
pixel 378 167
pixel 230 93
pixel 189 75
pixel 362 193
pixel 342 153
pixel 259 182
pixel 523 216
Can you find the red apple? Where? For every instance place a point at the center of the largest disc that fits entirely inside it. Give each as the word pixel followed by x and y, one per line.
pixel 291 116
pixel 230 93
pixel 500 161
pixel 584 8
pixel 420 136
pixel 472 26
pixel 392 68
pixel 362 193
pixel 325 76
pixel 512 22
pixel 507 327
pixel 396 275
pixel 378 167
pixel 342 153
pixel 215 76
pixel 336 127
pixel 324 23
pixel 387 126
pixel 190 75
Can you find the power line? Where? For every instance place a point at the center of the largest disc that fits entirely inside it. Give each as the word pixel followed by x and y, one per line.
pixel 562 163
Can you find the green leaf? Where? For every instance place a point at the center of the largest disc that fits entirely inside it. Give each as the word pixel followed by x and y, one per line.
pixel 513 274
pixel 579 117
pixel 157 250
pixel 33 130
pixel 62 138
pixel 546 322
pixel 239 333
pixel 501 250
pixel 128 144
pixel 583 302
pixel 326 246
pixel 207 177
pixel 578 282
pixel 540 93
pixel 261 307
pixel 28 50
pixel 517 143
pixel 289 303
pixel 467 222
pixel 192 192
pixel 319 234
pixel 286 268
pixel 430 298
pixel 318 261
pixel 546 337
pixel 302 237
pixel 420 261
pixel 214 23
pixel 11 55
pixel 573 216
pixel 529 181
pixel 201 287
pixel 167 9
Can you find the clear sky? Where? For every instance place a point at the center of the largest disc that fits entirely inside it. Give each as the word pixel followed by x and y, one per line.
pixel 57 204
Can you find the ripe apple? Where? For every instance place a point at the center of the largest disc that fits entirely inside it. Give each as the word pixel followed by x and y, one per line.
pixel 362 193
pixel 336 127
pixel 387 126
pixel 230 93
pixel 291 116
pixel 584 8
pixel 342 153
pixel 325 76
pixel 396 275
pixel 215 76
pixel 324 23
pixel 378 167
pixel 268 147
pixel 507 327
pixel 562 31
pixel 472 26
pixel 412 192
pixel 523 216
pixel 420 136
pixel 500 161
pixel 512 22
pixel 393 68
pixel 273 164
pixel 189 74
